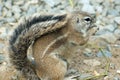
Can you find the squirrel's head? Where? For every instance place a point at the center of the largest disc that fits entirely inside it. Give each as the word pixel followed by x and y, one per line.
pixel 81 26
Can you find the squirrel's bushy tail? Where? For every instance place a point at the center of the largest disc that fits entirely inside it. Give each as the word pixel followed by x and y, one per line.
pixel 24 34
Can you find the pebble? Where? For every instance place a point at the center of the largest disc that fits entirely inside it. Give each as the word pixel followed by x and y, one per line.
pixel 88 52
pixel 88 8
pixel 8 4
pixel 117 33
pixel 52 3
pixel 117 8
pixel 92 62
pixel 5 12
pixel 110 27
pixel 105 52
pixel 99 9
pixel 85 75
pixel 116 78
pixel 85 1
pixel 117 2
pixel 1 47
pixel 117 20
pixel 2 58
pixel 31 10
pixel 3 32
pixel 109 37
pixel 118 71
pixel 10 19
pixel 113 12
pixel 0 9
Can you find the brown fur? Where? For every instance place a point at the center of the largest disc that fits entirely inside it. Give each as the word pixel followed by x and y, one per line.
pixel 53 65
pixel 57 38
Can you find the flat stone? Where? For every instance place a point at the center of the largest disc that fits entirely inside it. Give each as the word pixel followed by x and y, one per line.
pixel 113 12
pixel 105 52
pixel 1 47
pixel 88 8
pixel 85 1
pixel 10 19
pixel 99 9
pixel 52 3
pixel 16 9
pixel 117 33
pixel 8 4
pixel 87 52
pixel 92 62
pixel 117 20
pixel 118 71
pixel 3 32
pixel 110 27
pixel 31 10
pixel 1 9
pixel 117 8
pixel 2 58
pixel 109 37
pixel 117 1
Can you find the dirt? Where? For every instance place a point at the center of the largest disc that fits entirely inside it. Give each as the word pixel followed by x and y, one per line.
pixel 85 69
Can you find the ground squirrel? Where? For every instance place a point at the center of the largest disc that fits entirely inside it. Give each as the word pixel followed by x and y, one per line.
pixel 55 37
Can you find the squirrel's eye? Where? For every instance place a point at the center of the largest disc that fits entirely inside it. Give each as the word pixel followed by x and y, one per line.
pixel 87 19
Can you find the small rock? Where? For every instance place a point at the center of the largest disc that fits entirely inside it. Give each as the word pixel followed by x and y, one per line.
pixel 3 33
pixel 106 78
pixel 117 8
pixel 33 1
pixel 110 27
pixel 112 65
pixel 2 58
pixel 8 4
pixel 85 1
pixel 117 33
pixel 113 12
pixel 85 75
pixel 105 52
pixel 9 14
pixel 19 2
pixel 17 16
pixel 118 71
pixel 11 19
pixel 117 20
pixel 88 8
pixel 1 47
pixel 99 9
pixel 31 10
pixel 116 78
pixel 87 52
pixel 5 12
pixel 92 62
pixel 16 9
pixel 99 1
pixel 0 9
pixel 109 37
pixel 117 2
pixel 52 3
pixel 102 31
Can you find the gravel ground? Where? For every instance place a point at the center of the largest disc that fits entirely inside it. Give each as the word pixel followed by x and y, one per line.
pixel 91 61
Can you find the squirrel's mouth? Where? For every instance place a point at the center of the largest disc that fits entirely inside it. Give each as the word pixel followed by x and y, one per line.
pixel 92 29
pixel 92 26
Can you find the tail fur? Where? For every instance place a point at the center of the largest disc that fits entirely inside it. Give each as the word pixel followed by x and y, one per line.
pixel 24 34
